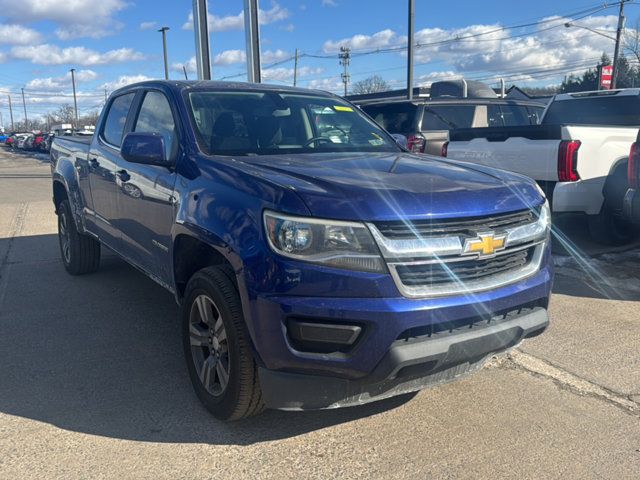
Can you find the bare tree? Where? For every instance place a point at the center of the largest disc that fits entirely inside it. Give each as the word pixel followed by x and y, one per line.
pixel 372 84
pixel 64 114
pixel 631 40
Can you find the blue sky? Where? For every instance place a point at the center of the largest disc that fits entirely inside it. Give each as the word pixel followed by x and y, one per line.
pixel 114 42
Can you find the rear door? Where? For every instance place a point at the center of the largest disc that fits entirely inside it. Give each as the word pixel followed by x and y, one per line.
pixel 104 154
pixel 146 192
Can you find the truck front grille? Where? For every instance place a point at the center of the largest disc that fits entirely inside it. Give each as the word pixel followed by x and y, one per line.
pixel 438 273
pixel 448 227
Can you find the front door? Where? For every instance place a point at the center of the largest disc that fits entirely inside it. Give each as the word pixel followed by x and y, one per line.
pixel 104 155
pixel 145 193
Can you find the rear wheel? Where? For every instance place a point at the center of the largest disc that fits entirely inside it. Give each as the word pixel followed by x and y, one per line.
pixel 80 253
pixel 216 344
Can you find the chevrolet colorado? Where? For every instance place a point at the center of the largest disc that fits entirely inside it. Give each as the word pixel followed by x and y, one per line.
pixel 578 154
pixel 316 262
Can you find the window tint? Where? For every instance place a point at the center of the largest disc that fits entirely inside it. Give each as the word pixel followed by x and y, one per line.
pixel 155 117
pixel 604 110
pixel 446 117
pixel 394 118
pixel 505 115
pixel 116 119
pixel 535 114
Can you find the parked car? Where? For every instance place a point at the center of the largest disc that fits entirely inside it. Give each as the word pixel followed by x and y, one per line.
pixel 10 140
pixel 313 269
pixel 21 141
pixel 428 118
pixel 578 155
pixel 3 137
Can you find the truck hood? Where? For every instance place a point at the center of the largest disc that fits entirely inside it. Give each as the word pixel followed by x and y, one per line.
pixel 387 186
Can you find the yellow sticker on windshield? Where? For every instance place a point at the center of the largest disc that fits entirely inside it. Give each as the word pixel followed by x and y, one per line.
pixel 342 108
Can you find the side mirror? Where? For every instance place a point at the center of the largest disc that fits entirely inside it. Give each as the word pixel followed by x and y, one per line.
pixel 400 140
pixel 144 148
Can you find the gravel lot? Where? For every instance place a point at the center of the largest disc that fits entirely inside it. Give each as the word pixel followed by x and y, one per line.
pixel 93 383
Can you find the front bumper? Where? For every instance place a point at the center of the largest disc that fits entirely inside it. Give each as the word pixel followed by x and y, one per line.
pixel 408 366
pixel 631 205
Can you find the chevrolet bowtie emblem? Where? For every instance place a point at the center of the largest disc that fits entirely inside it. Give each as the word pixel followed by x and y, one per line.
pixel 485 244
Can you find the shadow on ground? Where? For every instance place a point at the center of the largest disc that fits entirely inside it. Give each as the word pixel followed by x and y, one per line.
pixel 101 354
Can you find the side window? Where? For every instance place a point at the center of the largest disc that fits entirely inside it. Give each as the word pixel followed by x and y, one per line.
pixel 494 116
pixel 155 117
pixel 447 117
pixel 116 118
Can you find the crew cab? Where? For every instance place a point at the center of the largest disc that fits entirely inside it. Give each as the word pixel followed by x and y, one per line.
pixel 317 263
pixel 578 154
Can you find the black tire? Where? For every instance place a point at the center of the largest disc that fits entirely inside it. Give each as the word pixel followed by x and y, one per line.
pixel 80 253
pixel 227 355
pixel 609 227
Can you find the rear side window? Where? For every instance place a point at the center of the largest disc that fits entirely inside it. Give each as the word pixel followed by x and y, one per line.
pixel 155 117
pixel 604 110
pixel 116 119
pixel 509 116
pixel 447 117
pixel 394 118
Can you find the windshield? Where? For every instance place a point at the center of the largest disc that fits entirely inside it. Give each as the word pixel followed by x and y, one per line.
pixel 604 110
pixel 267 123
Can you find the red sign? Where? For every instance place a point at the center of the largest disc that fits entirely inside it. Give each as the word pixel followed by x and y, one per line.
pixel 606 75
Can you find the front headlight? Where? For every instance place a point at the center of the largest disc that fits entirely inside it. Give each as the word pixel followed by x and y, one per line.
pixel 328 242
pixel 536 231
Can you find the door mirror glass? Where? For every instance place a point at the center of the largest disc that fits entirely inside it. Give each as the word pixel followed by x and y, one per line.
pixel 144 148
pixel 400 140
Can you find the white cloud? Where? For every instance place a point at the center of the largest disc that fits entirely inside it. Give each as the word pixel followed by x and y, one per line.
pixel 288 28
pixel 77 18
pixel 190 65
pixel 333 84
pixel 236 22
pixel 18 35
pixel 270 56
pixel 60 83
pixel 286 74
pixel 384 38
pixel 148 25
pixel 123 81
pixel 80 56
pixel 229 57
pixel 329 3
pixel 491 51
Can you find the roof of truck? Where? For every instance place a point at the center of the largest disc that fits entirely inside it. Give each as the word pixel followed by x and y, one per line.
pixel 220 85
pixel 621 92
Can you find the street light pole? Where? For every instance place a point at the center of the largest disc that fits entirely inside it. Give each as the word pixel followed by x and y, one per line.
pixel 24 105
pixel 13 129
pixel 75 100
pixel 617 49
pixel 203 47
pixel 163 30
pixel 412 10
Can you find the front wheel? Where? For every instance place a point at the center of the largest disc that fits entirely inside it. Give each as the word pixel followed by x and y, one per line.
pixel 216 345
pixel 80 253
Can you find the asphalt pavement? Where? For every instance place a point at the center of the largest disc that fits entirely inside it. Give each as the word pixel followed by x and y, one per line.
pixel 93 382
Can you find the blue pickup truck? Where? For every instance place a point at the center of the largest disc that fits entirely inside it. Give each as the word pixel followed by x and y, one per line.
pixel 317 263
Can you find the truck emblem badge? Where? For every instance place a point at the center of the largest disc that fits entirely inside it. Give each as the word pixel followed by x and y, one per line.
pixel 486 244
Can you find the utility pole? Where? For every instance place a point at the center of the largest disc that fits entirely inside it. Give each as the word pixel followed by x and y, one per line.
pixel 75 100
pixel 184 69
pixel 295 69
pixel 252 33
pixel 203 46
pixel 1 120
pixel 345 58
pixel 410 30
pixel 163 30
pixel 13 129
pixel 105 96
pixel 24 105
pixel 617 49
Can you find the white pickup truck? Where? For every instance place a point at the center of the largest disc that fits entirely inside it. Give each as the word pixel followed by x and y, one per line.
pixel 578 154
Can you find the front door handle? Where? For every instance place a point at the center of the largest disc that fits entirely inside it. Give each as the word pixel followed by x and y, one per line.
pixel 124 175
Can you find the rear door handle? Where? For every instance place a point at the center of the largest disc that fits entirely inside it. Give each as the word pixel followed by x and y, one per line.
pixel 124 175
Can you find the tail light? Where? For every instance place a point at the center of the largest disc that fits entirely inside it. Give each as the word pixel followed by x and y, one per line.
pixel 416 143
pixel 445 147
pixel 568 161
pixel 634 166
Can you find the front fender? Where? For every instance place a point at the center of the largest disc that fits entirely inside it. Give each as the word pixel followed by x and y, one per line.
pixel 65 173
